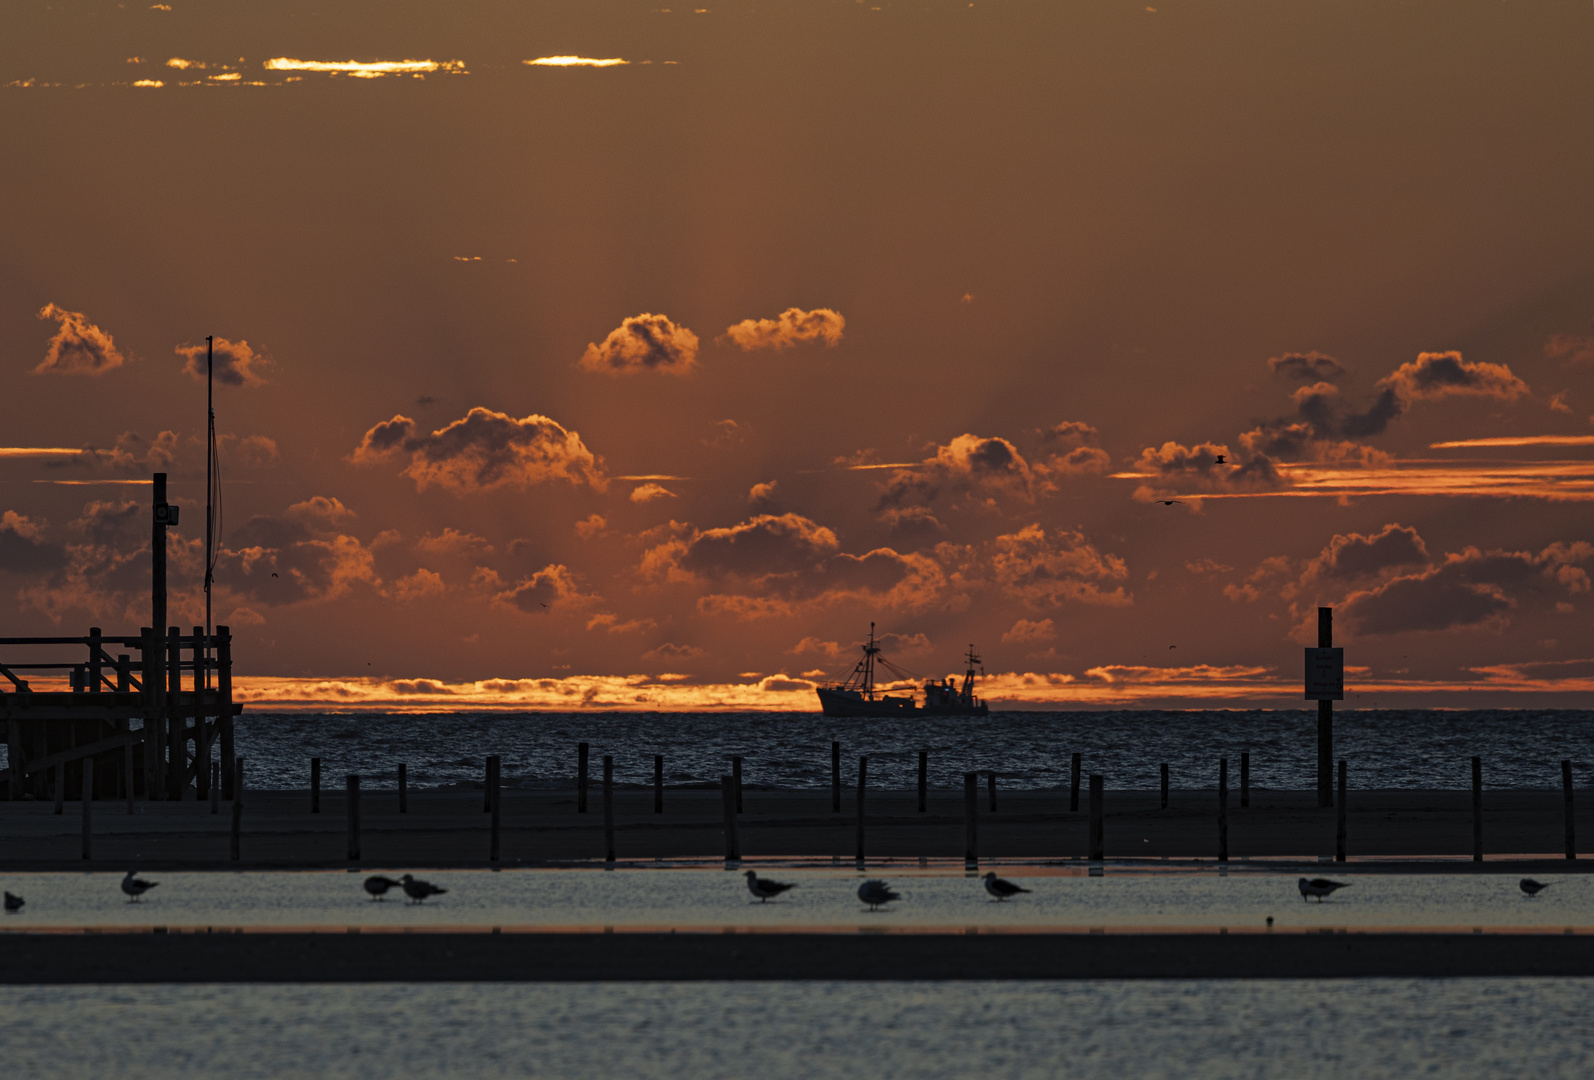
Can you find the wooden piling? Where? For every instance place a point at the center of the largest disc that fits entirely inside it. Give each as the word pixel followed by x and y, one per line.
pixel 223 640
pixel 124 685
pixel 1073 783
pixel 581 778
pixel 176 721
pixel 487 785
pixel 1477 809
pixel 60 788
pixel 971 811
pixel 608 808
pixel 88 808
pixel 736 778
pixel 1339 828
pixel 1245 779
pixel 152 708
pixel 237 807
pixel 1223 810
pixel 658 783
pixel 215 787
pixel 1325 718
pixel 1165 785
pixel 835 778
pixel 733 846
pixel 495 802
pixel 924 781
pixel 1566 809
pixel 315 786
pixel 863 784
pixel 351 804
pixel 201 740
pixel 990 785
pixel 404 787
pixel 1097 812
pixel 154 647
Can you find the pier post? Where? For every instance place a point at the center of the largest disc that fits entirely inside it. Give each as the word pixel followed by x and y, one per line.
pixel 1223 810
pixel 404 787
pixel 1073 783
pixel 990 786
pixel 1165 785
pixel 154 647
pixel 1098 809
pixel 863 784
pixel 608 808
pixel 96 647
pixel 658 783
pixel 124 685
pixel 1477 809
pixel 736 777
pixel 924 780
pixel 487 785
pixel 971 827
pixel 177 722
pixel 495 798
pixel 201 739
pixel 229 747
pixel 1566 804
pixel 1339 829
pixel 88 808
pixel 1245 780
pixel 215 787
pixel 1325 718
pixel 733 846
pixel 237 807
pixel 581 778
pixel 315 786
pixel 351 804
pixel 149 675
pixel 835 778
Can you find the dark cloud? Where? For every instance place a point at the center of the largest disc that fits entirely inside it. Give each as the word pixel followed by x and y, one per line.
pixel 482 451
pixel 1307 366
pixel 971 465
pixel 643 343
pixel 299 556
pixel 1354 555
pixel 1071 449
pixel 1175 469
pixel 24 549
pixel 78 347
pixel 1435 375
pixel 1045 569
pixel 551 587
pixel 1471 589
pixel 1570 349
pixel 234 363
pixel 912 526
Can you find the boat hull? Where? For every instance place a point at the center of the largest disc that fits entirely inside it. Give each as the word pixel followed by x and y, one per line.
pixel 846 703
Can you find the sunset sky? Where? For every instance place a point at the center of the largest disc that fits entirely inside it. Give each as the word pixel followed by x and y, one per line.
pixel 655 380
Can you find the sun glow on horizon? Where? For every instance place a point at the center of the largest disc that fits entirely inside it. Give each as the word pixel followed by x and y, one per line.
pixel 574 61
pixel 360 69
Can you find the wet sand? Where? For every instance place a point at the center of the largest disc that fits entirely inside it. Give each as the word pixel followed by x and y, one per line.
pixel 449 829
pixel 487 957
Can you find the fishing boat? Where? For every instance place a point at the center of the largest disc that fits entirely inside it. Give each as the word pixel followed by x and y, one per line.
pixel 856 695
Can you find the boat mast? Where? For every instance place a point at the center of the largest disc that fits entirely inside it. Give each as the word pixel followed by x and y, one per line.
pixel 869 651
pixel 968 678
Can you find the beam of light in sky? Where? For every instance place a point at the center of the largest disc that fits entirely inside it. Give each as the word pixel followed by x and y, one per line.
pixel 652 476
pixel 1556 481
pixel 574 61
pixel 36 451
pixel 89 483
pixel 374 69
pixel 1517 440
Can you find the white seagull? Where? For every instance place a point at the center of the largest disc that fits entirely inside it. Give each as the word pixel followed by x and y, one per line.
pixel 765 888
pixel 419 890
pixel 377 885
pixel 1000 888
pixel 1319 887
pixel 1533 888
pixel 874 893
pixel 135 887
pixel 13 904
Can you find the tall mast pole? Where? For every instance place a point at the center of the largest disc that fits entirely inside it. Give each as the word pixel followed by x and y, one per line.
pixel 210 512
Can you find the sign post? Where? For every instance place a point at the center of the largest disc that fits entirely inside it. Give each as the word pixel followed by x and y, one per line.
pixel 1325 684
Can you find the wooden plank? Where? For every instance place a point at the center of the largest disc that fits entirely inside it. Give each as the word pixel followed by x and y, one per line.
pixel 115 742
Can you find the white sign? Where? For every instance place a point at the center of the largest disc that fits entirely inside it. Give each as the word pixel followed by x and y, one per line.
pixel 1325 674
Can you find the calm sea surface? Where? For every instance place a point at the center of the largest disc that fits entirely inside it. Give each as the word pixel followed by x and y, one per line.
pixel 1265 1028
pixel 1386 749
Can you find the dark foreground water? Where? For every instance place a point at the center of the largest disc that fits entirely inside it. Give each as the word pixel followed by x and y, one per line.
pixel 1362 1028
pixel 1386 749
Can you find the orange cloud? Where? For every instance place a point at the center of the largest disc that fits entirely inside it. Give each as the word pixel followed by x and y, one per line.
pixel 574 61
pixel 1435 375
pixel 1311 366
pixel 648 492
pixel 234 363
pixel 1044 569
pixel 552 586
pixel 1570 348
pixel 643 343
pixel 792 326
pixel 78 347
pixel 482 451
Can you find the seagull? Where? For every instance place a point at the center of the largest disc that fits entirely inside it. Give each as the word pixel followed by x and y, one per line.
pixel 419 890
pixel 1171 502
pixel 999 888
pixel 135 887
pixel 1533 888
pixel 13 904
pixel 874 893
pixel 765 888
pixel 377 885
pixel 1319 887
pixel 1221 460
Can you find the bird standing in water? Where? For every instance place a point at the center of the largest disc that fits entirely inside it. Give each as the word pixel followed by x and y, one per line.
pixel 13 904
pixel 1319 887
pixel 1533 888
pixel 377 885
pixel 875 893
pixel 418 891
pixel 135 887
pixel 1001 888
pixel 765 888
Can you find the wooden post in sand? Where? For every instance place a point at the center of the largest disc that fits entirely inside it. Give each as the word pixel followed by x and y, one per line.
pixel 736 778
pixel 1245 779
pixel 1097 812
pixel 237 807
pixel 608 808
pixel 581 778
pixel 1165 785
pixel 1339 828
pixel 658 783
pixel 351 804
pixel 1325 717
pixel 404 788
pixel 1073 784
pixel 924 780
pixel 733 845
pixel 487 784
pixel 495 800
pixel 88 808
pixel 1223 810
pixel 1477 809
pixel 835 778
pixel 124 685
pixel 990 784
pixel 863 785
pixel 315 786
pixel 971 810
pixel 1566 803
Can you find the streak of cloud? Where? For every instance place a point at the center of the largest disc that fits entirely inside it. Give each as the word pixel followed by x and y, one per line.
pixel 574 61
pixel 367 69
pixel 1515 440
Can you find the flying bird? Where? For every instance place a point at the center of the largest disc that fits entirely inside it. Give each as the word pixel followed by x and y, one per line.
pixel 1171 502
pixel 1221 460
pixel 875 893
pixel 1000 888
pixel 135 887
pixel 1533 888
pixel 273 573
pixel 419 890
pixel 13 904
pixel 1319 887
pixel 765 888
pixel 377 885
